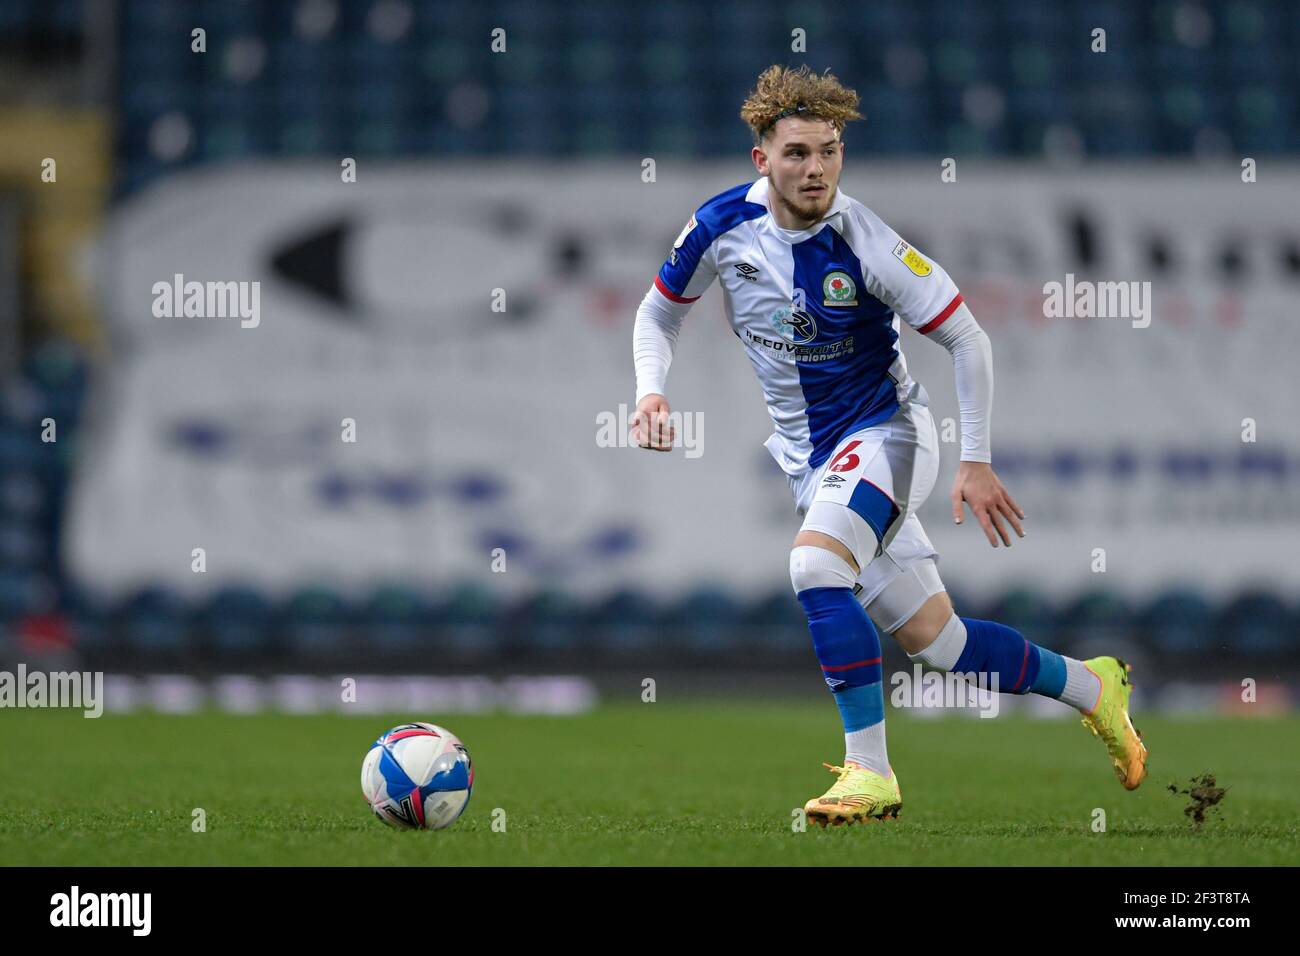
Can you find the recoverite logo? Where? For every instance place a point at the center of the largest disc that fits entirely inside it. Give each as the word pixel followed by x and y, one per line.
pixel 103 909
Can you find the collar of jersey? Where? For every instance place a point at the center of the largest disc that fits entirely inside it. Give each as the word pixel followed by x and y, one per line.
pixel 758 194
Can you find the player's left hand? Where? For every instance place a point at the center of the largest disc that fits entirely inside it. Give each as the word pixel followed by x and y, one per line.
pixel 989 502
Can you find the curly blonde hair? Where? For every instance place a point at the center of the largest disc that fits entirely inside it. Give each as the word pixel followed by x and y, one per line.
pixel 782 91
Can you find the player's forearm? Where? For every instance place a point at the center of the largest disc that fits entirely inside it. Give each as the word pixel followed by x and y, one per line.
pixel 654 338
pixel 972 359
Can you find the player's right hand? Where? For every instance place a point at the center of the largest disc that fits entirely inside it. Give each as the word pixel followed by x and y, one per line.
pixel 978 487
pixel 650 425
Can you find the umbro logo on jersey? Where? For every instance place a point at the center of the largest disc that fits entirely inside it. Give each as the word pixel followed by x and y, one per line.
pixel 832 480
pixel 745 271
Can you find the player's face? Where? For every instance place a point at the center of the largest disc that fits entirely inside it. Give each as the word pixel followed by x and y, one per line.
pixel 802 159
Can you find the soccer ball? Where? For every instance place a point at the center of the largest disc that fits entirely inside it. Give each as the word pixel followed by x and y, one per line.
pixel 417 776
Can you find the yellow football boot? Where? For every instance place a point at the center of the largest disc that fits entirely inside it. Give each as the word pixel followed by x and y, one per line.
pixel 1109 720
pixel 857 796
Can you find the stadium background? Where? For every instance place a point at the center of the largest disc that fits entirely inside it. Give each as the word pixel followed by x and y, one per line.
pixel 477 429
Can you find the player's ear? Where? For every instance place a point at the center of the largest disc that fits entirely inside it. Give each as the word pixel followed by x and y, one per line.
pixel 760 160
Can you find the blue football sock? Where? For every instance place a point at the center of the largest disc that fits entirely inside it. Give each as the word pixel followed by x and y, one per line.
pixel 967 645
pixel 993 648
pixel 848 648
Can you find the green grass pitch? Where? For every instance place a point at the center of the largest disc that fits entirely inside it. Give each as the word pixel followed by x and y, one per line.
pixel 662 783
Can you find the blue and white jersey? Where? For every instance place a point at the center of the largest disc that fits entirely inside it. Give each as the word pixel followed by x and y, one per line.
pixel 817 310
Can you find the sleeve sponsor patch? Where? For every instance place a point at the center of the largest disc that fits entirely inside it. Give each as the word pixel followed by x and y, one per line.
pixel 912 259
pixel 681 237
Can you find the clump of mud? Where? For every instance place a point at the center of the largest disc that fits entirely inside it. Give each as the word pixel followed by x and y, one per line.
pixel 1203 794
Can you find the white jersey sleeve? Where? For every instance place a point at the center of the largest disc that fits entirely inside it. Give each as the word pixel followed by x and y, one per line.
pixel 654 339
pixel 925 297
pixel 895 272
pixel 685 275
pixel 972 361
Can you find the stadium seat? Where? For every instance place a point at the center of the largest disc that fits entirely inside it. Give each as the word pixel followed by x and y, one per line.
pixel 1048 68
pixel 626 622
pixel 318 624
pixel 237 621
pixel 23 546
pixel 775 624
pixel 24 494
pixel 1098 622
pixel 156 623
pixel 91 620
pixel 1258 626
pixel 24 592
pixel 706 621
pixel 469 622
pixel 1178 625
pixel 21 449
pixel 545 622
pixel 398 620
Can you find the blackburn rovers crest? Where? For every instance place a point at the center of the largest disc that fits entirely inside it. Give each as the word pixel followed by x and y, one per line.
pixel 838 289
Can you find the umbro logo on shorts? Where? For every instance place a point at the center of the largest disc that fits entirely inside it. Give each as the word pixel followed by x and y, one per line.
pixel 833 480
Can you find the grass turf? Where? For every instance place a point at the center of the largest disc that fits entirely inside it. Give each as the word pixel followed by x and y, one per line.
pixel 659 783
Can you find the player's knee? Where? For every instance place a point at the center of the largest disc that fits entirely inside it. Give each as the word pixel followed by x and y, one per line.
pixel 817 567
pixel 921 629
pixel 911 597
pixel 820 539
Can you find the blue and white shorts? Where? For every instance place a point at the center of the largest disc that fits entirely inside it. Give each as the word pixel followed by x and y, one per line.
pixel 866 496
